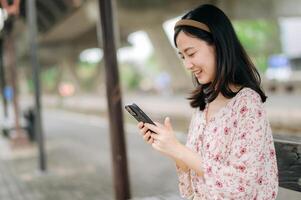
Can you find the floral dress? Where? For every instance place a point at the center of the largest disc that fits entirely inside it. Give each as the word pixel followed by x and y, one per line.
pixel 237 151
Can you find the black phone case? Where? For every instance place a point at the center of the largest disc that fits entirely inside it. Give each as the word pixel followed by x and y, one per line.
pixel 139 115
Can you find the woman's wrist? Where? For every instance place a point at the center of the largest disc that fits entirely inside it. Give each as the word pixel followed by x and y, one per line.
pixel 178 151
pixel 188 158
pixel 180 165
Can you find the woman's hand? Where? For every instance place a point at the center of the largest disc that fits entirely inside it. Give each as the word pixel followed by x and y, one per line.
pixel 146 133
pixel 163 138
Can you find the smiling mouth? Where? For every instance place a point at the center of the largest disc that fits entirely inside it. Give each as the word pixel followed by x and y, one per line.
pixel 197 73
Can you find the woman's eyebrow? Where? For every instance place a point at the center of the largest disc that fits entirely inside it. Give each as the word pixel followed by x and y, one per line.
pixel 188 48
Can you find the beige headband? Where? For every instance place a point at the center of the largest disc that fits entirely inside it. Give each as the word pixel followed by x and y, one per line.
pixel 193 23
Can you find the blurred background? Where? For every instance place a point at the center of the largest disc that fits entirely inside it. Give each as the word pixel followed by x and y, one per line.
pixel 74 108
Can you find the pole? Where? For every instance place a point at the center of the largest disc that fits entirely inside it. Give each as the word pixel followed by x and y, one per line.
pixel 32 26
pixel 2 80
pixel 11 57
pixel 120 171
pixel 18 136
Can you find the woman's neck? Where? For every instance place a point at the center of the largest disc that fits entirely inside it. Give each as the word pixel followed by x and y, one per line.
pixel 221 98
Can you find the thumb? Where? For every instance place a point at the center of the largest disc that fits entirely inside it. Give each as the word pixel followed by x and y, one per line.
pixel 167 123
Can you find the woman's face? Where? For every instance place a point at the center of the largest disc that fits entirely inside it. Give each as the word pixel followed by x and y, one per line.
pixel 198 57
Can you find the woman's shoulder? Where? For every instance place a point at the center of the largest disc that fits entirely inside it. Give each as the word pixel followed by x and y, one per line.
pixel 247 96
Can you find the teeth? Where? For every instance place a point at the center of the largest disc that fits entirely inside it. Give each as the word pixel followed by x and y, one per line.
pixel 197 72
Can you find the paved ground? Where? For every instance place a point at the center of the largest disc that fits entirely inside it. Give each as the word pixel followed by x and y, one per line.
pixel 79 161
pixel 79 164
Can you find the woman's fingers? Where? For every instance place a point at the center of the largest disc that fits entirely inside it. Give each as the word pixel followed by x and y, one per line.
pixel 150 141
pixel 143 130
pixel 167 123
pixel 140 125
pixel 147 131
pixel 147 136
pixel 155 136
pixel 152 127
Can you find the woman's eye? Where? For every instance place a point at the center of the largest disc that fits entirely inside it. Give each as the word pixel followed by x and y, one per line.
pixel 190 55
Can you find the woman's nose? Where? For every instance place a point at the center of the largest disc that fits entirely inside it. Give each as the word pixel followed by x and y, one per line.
pixel 188 64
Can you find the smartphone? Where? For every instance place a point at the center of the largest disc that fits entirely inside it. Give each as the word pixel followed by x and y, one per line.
pixel 138 114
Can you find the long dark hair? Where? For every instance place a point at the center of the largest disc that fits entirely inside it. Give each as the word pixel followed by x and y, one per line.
pixel 233 65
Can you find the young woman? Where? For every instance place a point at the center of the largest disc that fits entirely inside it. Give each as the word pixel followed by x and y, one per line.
pixel 229 152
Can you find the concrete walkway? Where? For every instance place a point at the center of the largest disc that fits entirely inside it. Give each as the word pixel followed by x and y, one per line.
pixel 79 163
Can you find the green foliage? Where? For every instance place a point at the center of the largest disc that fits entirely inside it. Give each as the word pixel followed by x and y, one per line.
pixel 48 80
pixel 87 74
pixel 152 65
pixel 30 85
pixel 130 77
pixel 49 77
pixel 86 70
pixel 260 39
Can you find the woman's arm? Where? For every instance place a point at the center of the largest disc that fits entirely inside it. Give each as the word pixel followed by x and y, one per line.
pixel 181 165
pixel 188 159
pixel 165 142
pixel 147 137
pixel 183 170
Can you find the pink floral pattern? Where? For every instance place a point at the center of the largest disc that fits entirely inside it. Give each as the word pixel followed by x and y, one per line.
pixel 237 150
